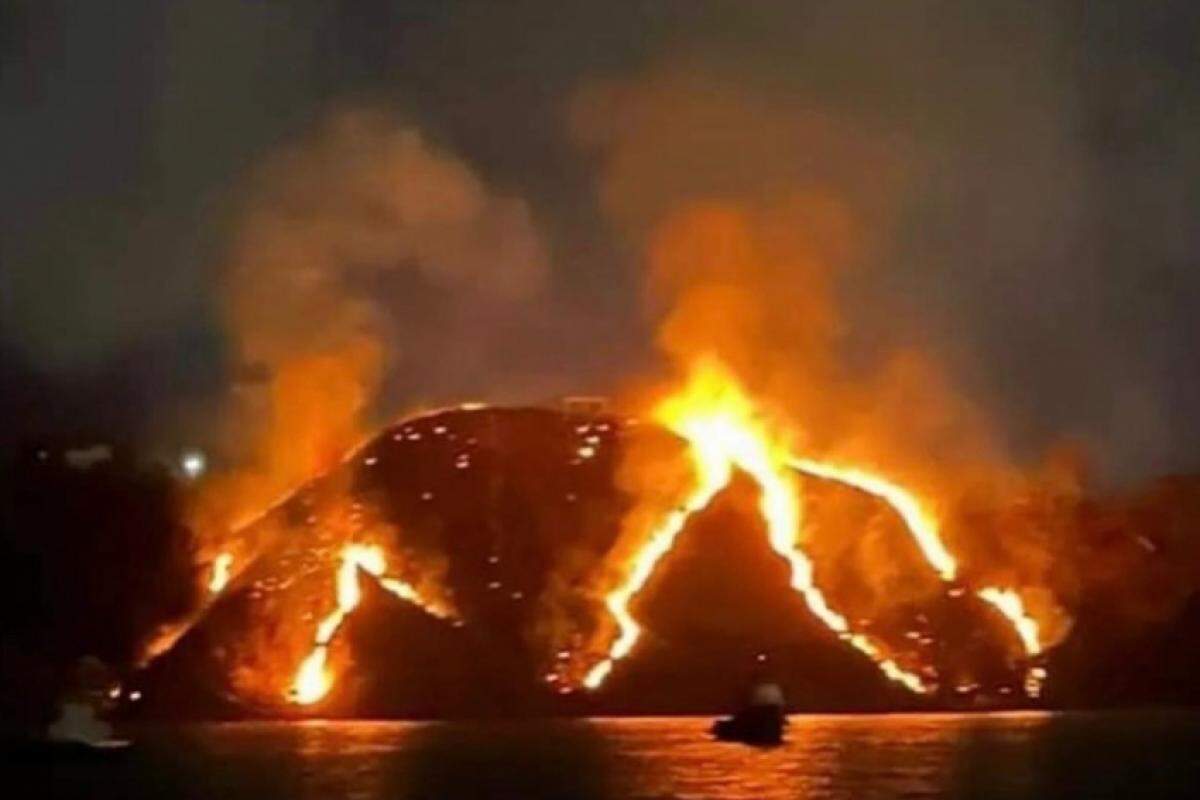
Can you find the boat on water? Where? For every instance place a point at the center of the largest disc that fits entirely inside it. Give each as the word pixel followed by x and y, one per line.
pixel 79 732
pixel 761 721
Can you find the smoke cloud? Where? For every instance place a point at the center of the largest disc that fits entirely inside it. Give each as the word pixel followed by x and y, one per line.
pixel 332 227
pixel 826 247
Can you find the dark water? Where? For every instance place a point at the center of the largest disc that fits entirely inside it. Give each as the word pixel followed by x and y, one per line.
pixel 1126 755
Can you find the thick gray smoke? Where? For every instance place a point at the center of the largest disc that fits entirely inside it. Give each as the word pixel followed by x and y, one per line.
pixel 334 235
pixel 1032 229
pixel 1017 221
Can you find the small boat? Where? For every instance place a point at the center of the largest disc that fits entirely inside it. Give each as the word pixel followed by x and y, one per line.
pixel 78 734
pixel 757 725
pixel 760 722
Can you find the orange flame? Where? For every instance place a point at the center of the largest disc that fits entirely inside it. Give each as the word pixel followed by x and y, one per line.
pixel 922 525
pixel 1009 603
pixel 725 429
pixel 314 679
pixel 924 529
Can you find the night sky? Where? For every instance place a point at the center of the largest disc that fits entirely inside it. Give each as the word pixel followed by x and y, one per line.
pixel 1038 233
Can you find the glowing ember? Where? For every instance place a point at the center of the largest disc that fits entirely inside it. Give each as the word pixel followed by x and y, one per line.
pixel 313 679
pixel 725 429
pixel 220 572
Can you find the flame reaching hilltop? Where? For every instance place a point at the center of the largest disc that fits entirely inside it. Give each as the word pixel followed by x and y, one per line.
pixel 314 679
pixel 724 429
pixel 920 523
pixel 924 529
pixel 714 474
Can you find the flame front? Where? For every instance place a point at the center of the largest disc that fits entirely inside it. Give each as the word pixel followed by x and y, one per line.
pixel 1009 603
pixel 924 528
pixel 922 525
pixel 725 429
pixel 314 679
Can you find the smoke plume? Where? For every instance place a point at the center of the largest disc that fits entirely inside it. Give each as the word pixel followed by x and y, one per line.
pixel 331 228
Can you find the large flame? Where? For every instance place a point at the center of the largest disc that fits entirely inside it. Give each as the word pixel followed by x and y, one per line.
pixel 920 523
pixel 924 528
pixel 725 429
pixel 314 679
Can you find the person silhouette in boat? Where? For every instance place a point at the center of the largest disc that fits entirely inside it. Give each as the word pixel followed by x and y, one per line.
pixel 762 717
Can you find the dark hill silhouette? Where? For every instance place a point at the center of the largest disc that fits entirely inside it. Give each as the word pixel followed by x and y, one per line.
pixel 493 502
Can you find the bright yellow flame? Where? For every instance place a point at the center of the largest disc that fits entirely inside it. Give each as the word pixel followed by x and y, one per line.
pixel 1009 603
pixel 725 429
pixel 219 578
pixel 314 680
pixel 714 474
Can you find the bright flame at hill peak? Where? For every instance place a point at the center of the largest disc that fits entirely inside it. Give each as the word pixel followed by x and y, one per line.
pixel 724 429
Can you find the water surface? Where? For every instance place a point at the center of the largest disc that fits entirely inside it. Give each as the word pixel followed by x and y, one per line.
pixel 1118 755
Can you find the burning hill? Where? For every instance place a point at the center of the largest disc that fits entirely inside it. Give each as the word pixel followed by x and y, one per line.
pixel 449 567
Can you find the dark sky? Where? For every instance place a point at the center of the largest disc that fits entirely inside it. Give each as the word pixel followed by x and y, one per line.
pixel 1046 247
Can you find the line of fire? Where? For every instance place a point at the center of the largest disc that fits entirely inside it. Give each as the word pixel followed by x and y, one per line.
pixel 482 559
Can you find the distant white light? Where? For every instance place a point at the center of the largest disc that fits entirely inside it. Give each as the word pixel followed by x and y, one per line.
pixel 193 463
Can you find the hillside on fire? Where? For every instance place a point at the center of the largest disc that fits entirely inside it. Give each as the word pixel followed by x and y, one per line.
pixel 449 568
